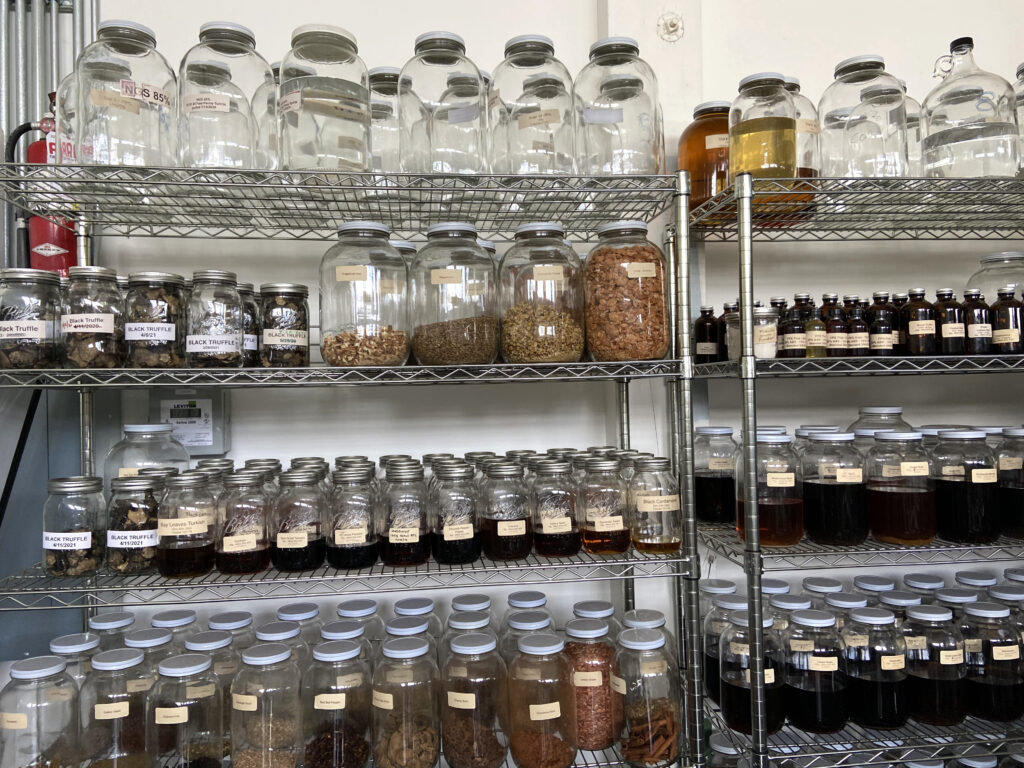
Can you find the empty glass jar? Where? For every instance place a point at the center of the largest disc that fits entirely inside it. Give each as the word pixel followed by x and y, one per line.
pixel 29 318
pixel 144 445
pixel 216 126
pixel 92 319
pixel 384 131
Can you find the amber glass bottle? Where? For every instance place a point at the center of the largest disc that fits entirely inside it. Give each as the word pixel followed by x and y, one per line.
pixel 858 339
pixel 705 336
pixel 917 317
pixel 950 331
pixel 1006 323
pixel 899 346
pixel 837 332
pixel 704 151
pixel 817 336
pixel 828 301
pixel 850 301
pixel 978 320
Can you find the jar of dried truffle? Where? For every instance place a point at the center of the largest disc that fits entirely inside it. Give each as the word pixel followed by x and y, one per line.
pixel 251 325
pixel 184 725
pixel 132 524
pixel 649 683
pixel 336 691
pixel 297 523
pixel 154 322
pixel 455 303
pixel 112 703
pixel 73 526
pixel 266 729
pixel 364 299
pixel 242 543
pixel 474 702
pixel 591 654
pixel 92 319
pixel 40 715
pixel 541 283
pixel 29 318
pixel 626 300
pixel 542 704
pixel 284 320
pixel 405 702
pixel 186 527
pixel 216 321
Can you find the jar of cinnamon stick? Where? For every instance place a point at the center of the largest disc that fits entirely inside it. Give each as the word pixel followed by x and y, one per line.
pixel 648 678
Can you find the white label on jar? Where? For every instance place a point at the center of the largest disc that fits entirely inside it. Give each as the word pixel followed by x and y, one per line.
pixel 224 668
pixel 897 338
pixel 637 269
pixel 604 524
pixel 494 99
pixel 881 341
pixel 618 684
pixel 808 126
pixel 243 702
pixel 64 694
pixel 549 273
pixel 147 93
pixel 445 276
pixel 718 627
pixel 404 535
pixel 587 679
pixel 921 327
pixel 67 541
pixel 112 711
pixel 244 543
pixel 206 102
pixel 171 715
pixel 953 330
pixel 827 469
pixel 250 342
pixel 794 341
pixel 556 525
pixel 355 273
pixel 916 642
pixel 1006 336
pixel 836 340
pixel 891 663
pixel 849 475
pixel 946 658
pixel 1005 652
pixel 769 675
pixel 1010 463
pixel 856 641
pixel 383 700
pixel 979 331
pixel 541 117
pixel 458 115
pixel 329 701
pixel 653 667
pixel 38 330
pixel 890 470
pixel 92 323
pixel 460 531
pixel 182 526
pixel 348 681
pixel 511 527
pixel 545 711
pixel 542 146
pixel 139 684
pixel 817 339
pixel 721 464
pixel 602 115
pixel 100 98
pixel 356 143
pixel 293 540
pixel 657 503
pixel 349 536
pixel 149 331
pixel 290 102
pixel 716 141
pixel 132 539
pixel 392 286
pixel 765 334
pixel 279 337
pixel 214 344
pixel 957 471
pixel 780 479
pixel 972 645
pixel 13 721
pixel 128 471
pixel 780 625
pixel 858 341
pixel 707 348
pixel 739 649
pixel 914 469
pixel 801 646
pixel 457 700
pixel 823 664
pixel 984 475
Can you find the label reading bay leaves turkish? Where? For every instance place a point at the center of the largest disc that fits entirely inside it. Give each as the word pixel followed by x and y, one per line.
pixel 404 535
pixel 556 525
pixel 182 526
pixel 658 503
pixel 458 531
pixel 511 527
pixel 545 711
pixel 637 269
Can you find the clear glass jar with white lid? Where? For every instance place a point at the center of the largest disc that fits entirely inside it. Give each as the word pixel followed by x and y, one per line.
pixel 442 108
pixel 218 645
pixel 92 319
pixel 215 321
pixel 530 110
pixel 384 130
pixel 714 451
pixel 77 651
pixel 935 665
pixel 410 626
pixel 323 102
pixel 875 133
pixel 239 624
pixel 216 126
pixel 475 601
pixel 975 758
pixel 735 666
pixel 405 701
pixel 901 490
pixel 924 584
pixel 556 523
pixel 994 686
pixel 649 618
pixel 187 527
pixel 762 128
pixel 185 721
pixel 266 708
pixel 542 703
pixel 725 754
pixel 144 445
pixel 873 587
pixel 839 604
pixel 519 625
pixel 709 589
pixel 898 602
pixel 880 417
pixel 125 95
pixel 347 629
pixel 772 586
pixel 474 701
pixel 336 693
pixel 619 126
pixel 967 509
pixel 420 607
pixel 877 688
pixel 817 588
pixel 655 515
pixel 363 610
pixel 956 599
pixel 591 654
pixel 808 155
pixel 802 435
pixel 976 579
pixel 835 489
pixel 40 706
pixel 307 616
pixel 74 526
pixel 404 523
pixel 651 700
pixel 781 606
pixel 181 623
pixel 716 621
pixel 462 623
pixel 30 308
pixel 816 678
pixel 113 707
pixel 779 492
pixel 526 600
pixel 602 610
pixel 111 627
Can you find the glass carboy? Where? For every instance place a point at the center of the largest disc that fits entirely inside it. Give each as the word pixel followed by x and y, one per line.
pixel 29 318
pixel 39 709
pixel 762 128
pixel 216 127
pixel 266 709
pixel 384 119
pixel 92 319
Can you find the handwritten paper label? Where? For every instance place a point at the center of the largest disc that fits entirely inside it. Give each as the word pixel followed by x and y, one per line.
pixel 87 323
pixel 637 269
pixel 171 715
pixel 511 527
pixel 445 276
pixel 350 274
pixel 243 702
pixel 823 664
pixel 545 711
pixel 111 711
pixel 294 540
pixel 587 679
pixel 556 525
pixel 329 701
pixel 404 535
pixel 382 700
pixel 457 700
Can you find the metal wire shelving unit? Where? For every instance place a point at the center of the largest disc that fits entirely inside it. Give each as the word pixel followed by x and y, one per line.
pixel 780 368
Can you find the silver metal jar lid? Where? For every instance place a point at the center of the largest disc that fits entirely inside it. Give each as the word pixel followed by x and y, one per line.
pixel 66 486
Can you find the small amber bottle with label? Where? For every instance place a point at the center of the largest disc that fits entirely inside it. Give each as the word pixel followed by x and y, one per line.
pixel 858 338
pixel 1007 314
pixel 917 317
pixel 705 336
pixel 836 331
pixel 850 301
pixel 882 319
pixel 949 316
pixel 978 321
pixel 828 301
pixel 792 338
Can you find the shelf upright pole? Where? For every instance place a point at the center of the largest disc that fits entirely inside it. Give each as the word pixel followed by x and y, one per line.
pixel 752 557
pixel 687 592
pixel 83 253
pixel 622 390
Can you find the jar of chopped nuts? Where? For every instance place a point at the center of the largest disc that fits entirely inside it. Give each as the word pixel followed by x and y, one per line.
pixel 364 293
pixel 284 318
pixel 626 299
pixel 541 283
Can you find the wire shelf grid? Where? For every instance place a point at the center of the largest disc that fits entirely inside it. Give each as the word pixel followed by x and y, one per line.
pixel 865 366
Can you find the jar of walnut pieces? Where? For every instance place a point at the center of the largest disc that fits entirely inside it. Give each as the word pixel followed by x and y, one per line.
pixel 626 301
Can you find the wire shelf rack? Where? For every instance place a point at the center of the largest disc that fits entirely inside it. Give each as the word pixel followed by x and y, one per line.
pixel 307 205
pixel 865 366
pixel 33 589
pixel 854 745
pixel 869 209
pixel 725 541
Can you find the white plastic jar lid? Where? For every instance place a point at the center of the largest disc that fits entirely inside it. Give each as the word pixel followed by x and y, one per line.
pixel 274 631
pixel 353 609
pixel 176 618
pixel 37 667
pixel 230 620
pixel 468 620
pixel 211 640
pixel 405 648
pixel 586 629
pixel 529 621
pixel 298 612
pixel 641 639
pixel 266 653
pixel 414 606
pixel 184 664
pixel 527 599
pixel 473 643
pixel 75 643
pixel 336 650
pixel 119 658
pixel 813 618
pixel 148 638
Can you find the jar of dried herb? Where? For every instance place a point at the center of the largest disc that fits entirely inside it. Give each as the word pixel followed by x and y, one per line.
pixel 73 526
pixel 598 708
pixel 184 724
pixel 474 703
pixel 542 704
pixel 265 709
pixel 404 698
pixel 649 682
pixel 154 323
pixel 336 691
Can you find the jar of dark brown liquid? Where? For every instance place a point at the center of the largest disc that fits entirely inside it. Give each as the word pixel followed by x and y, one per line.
pixel 815 693
pixel 829 301
pixel 992 650
pixel 352 533
pixel 506 529
pixel 952 329
pixel 780 505
pixel 455 509
pixel 705 336
pixel 901 492
pixel 714 474
pixel 918 317
pixel 297 523
pixel 716 622
pixel 899 300
pixel 1010 456
pixel 704 151
pixel 727 308
pixel 604 500
pixel 556 526
pixel 792 342
pixel 966 488
pixel 876 669
pixel 186 526
pixel 935 665
pixel 835 490
pixel 858 338
pixel 978 322
pixel 1007 320
pixel 405 535
pixel 837 332
pixel 734 673
pixel 883 325
pixel 242 545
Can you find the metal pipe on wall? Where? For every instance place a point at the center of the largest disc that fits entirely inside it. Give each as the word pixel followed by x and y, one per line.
pixel 54 17
pixel 78 27
pixel 94 20
pixel 7 217
pixel 21 65
pixel 38 102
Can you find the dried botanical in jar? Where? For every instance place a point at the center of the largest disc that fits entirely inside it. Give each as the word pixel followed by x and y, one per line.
pixel 538 332
pixel 154 328
pixel 384 347
pixel 284 318
pixel 471 341
pixel 92 319
pixel 29 318
pixel 132 520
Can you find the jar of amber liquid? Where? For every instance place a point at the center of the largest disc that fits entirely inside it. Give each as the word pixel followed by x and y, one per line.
pixel 901 492
pixel 704 151
pixel 762 129
pixel 780 503
pixel 917 319
pixel 605 499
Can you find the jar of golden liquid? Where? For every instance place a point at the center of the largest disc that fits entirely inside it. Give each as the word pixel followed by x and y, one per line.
pixel 762 129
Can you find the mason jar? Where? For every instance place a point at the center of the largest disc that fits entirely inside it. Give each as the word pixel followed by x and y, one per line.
pixel 352 533
pixel 215 321
pixel 762 128
pixel 780 505
pixel 186 527
pixel 542 703
pixel 92 319
pixel 405 705
pixel 132 520
pixel 901 492
pixel 715 622
pixel 266 708
pixel 506 527
pixel 877 692
pixel 76 651
pixel 40 706
pixel 604 497
pixel 404 526
pixel 297 521
pixel 242 541
pixel 113 705
pixel 935 666
pixel 556 524
pixel 454 299
pixel 336 712
pixel 816 680
pixel 734 665
pixel 649 683
pixel 456 511
pixel 284 323
pixel 714 470
pixel 474 703
pixel 655 518
pixel 994 687
pixel 111 627
pixel 185 721
pixel 154 320
pixel 364 298
pixel 966 477
pixel 30 309
pixel 74 526
pixel 250 325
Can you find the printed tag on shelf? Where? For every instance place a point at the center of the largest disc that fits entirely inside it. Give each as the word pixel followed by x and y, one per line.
pixel 214 344
pixel 147 93
pixel 1010 463
pixel 1006 336
pixel 823 664
pixel 67 541
pixel 769 675
pixel 605 524
pixel 182 526
pixel 953 331
pixel 457 700
pixel 706 348
pixel 279 337
pixel 716 141
pixel 739 649
pixel 149 331
pixel 245 542
pixel 83 323
pixel 979 331
pixel 545 711
pixel 914 468
pixel 540 117
pixel 511 527
pixel 957 471
pixel 947 658
pixel 133 539
pixel 806 125
pixel 890 663
pixel 1005 652
pixel 916 642
pixel 849 475
pixel 984 475
pixel 351 274
pixel 445 276
pixel 545 274
pixel 668 503
pixel 383 700
pixel 459 532
pixel 100 98
pixel 243 702
pixel 601 116
pixel 171 715
pixel 636 269
pixel 856 641
pixel 13 721
pixel 921 328
pixel 329 701
pixel 292 540
pixel 404 535
pixel 350 536
pixel 721 464
pixel 890 470
pixel 587 679
pixel 618 685
pixel 112 711
pixel 206 102
pixel 556 525
pixel 780 479
pixel 38 330
pixel 880 341
pixel 801 646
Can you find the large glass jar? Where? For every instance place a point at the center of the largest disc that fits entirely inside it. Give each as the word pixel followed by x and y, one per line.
pixel 181 623
pixel 901 492
pixel 363 611
pixel 454 299
pixel 66 114
pixel 216 126
pixel 215 321
pixel 556 524
pixel 111 627
pixel 966 488
pixel 835 490
pixel 591 654
pixel 734 672
pixel 266 709
pixel 287 633
pixel 30 308
pixel 364 298
pixel 352 531
pixel 405 705
pixel 762 128
pixel 518 625
pixel 815 695
pixel 92 319
pixel 649 683
pixel 655 517
pixel 1010 456
pixel 323 103
pixel 239 624
pixel 284 324
pixel 506 528
pixel 74 526
pixel 187 527
pixel 126 93
pixel 875 133
pixel 618 121
pixel 144 445
pixel 808 127
pixel 877 690
pixel 463 623
pixel 336 692
pixel 997 271
pixel 112 706
pixel 780 506
pixel 714 452
pixel 541 298
pixel 602 610
pixel 935 665
pixel 297 522
pixel 716 621
pixel 76 651
pixel 969 121
pixel 994 687
pixel 132 519
pixel 474 703
pixel 154 320
pixel 185 722
pixel 603 496
pixel 384 131
pixel 307 616
pixel 456 509
pixel 39 707
pixel 346 629
pixel 704 151
pixel 442 102
pixel 242 541
pixel 404 528
pixel 626 307
pixel 542 704
pixel 709 589
pixel 218 646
